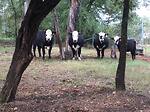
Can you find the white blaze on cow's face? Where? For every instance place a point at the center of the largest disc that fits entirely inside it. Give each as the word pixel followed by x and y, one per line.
pixel 75 36
pixel 116 40
pixel 102 36
pixel 49 35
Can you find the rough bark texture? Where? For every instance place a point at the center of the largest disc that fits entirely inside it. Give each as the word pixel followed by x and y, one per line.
pixel 72 19
pixel 22 56
pixel 58 36
pixel 120 75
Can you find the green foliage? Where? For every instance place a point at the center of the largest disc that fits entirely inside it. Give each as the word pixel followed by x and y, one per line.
pixel 7 17
pixel 94 16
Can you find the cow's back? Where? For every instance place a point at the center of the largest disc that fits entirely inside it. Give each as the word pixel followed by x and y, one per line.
pixel 81 40
pixel 40 38
pixel 131 45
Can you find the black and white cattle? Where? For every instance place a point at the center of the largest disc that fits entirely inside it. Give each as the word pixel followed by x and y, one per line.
pixel 43 38
pixel 100 43
pixel 76 42
pixel 131 45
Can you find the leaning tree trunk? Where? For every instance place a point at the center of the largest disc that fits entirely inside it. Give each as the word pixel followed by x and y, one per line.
pixel 22 56
pixel 73 18
pixel 58 36
pixel 120 75
pixel 26 5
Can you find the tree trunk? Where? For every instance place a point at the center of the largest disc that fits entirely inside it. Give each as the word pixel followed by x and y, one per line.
pixel 73 18
pixel 120 75
pixel 23 56
pixel 57 30
pixel 15 17
pixel 26 5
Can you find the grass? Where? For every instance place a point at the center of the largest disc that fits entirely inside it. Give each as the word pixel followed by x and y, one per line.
pixel 89 71
pixel 4 49
pixel 6 37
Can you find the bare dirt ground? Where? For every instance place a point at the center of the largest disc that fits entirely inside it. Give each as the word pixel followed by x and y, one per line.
pixel 47 93
pixel 145 58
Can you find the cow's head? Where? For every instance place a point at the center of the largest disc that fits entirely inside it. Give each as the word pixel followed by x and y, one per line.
pixel 116 40
pixel 49 35
pixel 75 36
pixel 102 35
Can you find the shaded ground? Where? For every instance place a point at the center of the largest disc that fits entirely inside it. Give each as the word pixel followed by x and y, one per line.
pixel 77 99
pixel 55 90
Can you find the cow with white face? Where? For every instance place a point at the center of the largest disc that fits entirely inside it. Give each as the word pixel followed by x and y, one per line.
pixel 43 38
pixel 131 45
pixel 76 42
pixel 116 40
pixel 75 36
pixel 49 35
pixel 100 43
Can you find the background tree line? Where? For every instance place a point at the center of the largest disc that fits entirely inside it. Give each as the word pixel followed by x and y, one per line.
pixel 94 16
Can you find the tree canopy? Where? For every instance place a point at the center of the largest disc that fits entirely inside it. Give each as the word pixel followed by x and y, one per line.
pixel 94 16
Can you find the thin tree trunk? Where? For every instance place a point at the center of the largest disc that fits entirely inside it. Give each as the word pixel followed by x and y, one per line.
pixel 22 56
pixel 120 75
pixel 73 18
pixel 58 36
pixel 15 17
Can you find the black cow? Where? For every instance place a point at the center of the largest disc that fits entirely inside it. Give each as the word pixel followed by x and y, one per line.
pixel 43 38
pixel 76 42
pixel 100 43
pixel 131 45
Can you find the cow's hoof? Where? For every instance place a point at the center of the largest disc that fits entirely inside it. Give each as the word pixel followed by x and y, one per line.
pixel 79 58
pixel 73 58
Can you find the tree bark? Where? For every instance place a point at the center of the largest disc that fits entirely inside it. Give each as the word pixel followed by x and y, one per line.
pixel 73 18
pixel 26 5
pixel 58 36
pixel 22 56
pixel 120 74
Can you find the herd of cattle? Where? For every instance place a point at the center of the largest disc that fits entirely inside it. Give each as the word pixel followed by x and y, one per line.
pixel 76 42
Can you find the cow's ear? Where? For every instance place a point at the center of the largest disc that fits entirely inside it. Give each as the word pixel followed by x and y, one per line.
pixel 106 34
pixel 96 34
pixel 53 32
pixel 70 33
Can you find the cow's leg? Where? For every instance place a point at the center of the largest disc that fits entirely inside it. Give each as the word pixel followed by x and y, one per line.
pixel 133 55
pixel 43 50
pixel 79 53
pixel 98 53
pixel 34 49
pixel 102 52
pixel 74 53
pixel 49 51
pixel 39 50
